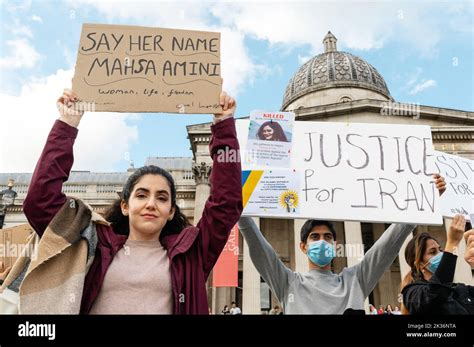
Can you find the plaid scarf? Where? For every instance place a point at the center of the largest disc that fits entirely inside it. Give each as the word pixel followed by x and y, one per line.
pixel 48 277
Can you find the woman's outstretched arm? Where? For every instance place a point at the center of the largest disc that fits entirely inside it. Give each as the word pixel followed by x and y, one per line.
pixel 45 197
pixel 224 205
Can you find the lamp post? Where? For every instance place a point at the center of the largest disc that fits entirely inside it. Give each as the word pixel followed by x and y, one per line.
pixel 7 199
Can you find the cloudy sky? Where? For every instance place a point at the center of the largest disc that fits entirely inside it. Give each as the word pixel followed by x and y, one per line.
pixel 423 49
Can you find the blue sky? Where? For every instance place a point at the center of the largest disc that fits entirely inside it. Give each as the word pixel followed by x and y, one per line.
pixel 423 49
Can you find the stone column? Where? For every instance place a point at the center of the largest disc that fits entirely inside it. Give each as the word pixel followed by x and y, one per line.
pixel 201 172
pixel 201 175
pixel 222 296
pixel 463 273
pixel 301 260
pixel 353 238
pixel 251 282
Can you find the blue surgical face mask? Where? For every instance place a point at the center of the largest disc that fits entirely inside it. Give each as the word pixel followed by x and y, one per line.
pixel 433 263
pixel 321 252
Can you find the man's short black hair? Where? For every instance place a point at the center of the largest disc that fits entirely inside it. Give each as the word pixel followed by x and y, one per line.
pixel 311 223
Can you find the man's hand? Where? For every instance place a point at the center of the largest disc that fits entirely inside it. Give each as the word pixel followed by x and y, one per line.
pixel 469 255
pixel 440 183
pixel 67 110
pixel 228 107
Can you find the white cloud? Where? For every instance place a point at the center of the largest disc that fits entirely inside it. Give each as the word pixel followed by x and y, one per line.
pixel 69 56
pixel 415 83
pixel 20 30
pixel 414 77
pixel 356 24
pixel 425 84
pixel 237 67
pixel 301 23
pixel 36 18
pixel 303 59
pixel 16 28
pixel 103 138
pixel 169 14
pixel 14 6
pixel 22 55
pixel 285 25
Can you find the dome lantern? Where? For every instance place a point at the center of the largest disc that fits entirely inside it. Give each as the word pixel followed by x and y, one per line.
pixel 330 43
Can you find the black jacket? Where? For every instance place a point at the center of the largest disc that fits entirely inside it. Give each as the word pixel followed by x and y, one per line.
pixel 439 295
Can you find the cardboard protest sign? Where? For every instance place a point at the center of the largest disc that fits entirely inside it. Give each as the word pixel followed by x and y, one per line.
pixel 270 138
pixel 352 172
pixel 459 175
pixel 140 69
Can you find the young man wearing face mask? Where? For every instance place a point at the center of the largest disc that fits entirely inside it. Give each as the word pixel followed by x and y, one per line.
pixel 320 290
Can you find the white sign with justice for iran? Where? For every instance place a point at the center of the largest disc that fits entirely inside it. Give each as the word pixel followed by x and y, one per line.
pixel 347 171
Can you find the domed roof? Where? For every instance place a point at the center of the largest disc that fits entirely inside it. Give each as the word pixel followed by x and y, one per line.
pixel 333 69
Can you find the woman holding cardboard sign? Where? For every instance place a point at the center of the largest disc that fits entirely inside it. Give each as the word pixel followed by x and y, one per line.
pixel 428 287
pixel 146 257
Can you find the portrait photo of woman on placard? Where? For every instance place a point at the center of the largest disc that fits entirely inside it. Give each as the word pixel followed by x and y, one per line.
pixel 271 131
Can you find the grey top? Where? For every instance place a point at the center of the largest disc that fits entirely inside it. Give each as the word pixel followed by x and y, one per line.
pixel 138 281
pixel 320 291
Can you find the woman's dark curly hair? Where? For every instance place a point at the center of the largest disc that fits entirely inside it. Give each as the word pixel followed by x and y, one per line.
pixel 120 223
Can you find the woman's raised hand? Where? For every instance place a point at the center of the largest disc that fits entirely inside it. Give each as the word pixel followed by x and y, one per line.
pixel 456 231
pixel 67 108
pixel 228 104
